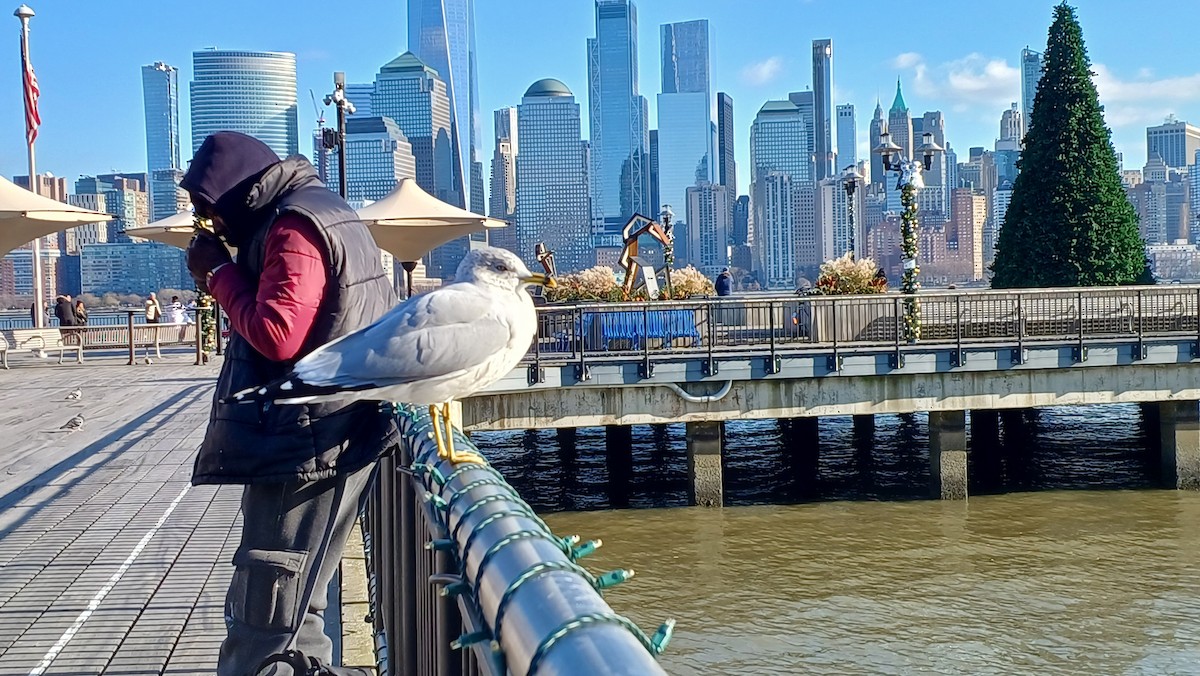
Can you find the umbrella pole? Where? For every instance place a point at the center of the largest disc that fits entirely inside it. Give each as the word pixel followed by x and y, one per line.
pixel 408 266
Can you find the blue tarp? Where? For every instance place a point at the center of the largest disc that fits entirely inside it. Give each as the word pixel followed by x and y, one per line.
pixel 634 325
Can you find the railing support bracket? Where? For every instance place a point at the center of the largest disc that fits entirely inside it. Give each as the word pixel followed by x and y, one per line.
pixel 537 374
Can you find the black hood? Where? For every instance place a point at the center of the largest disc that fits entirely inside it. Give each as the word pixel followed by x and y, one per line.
pixel 240 176
pixel 223 170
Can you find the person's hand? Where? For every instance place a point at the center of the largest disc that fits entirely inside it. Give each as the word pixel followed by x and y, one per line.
pixel 204 254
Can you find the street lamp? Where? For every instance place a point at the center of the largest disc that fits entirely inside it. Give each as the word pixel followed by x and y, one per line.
pixel 909 182
pixel 850 182
pixel 669 247
pixel 338 139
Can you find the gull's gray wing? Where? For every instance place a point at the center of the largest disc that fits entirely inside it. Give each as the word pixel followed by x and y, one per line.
pixel 451 329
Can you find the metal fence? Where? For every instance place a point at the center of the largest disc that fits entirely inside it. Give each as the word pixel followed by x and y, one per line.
pixel 466 579
pixel 595 332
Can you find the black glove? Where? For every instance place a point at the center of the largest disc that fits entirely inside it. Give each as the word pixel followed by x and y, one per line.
pixel 204 254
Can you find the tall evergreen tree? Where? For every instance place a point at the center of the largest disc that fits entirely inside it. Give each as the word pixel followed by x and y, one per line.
pixel 1069 222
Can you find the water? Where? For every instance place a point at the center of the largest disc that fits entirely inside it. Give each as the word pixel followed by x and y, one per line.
pixel 833 565
pixel 22 320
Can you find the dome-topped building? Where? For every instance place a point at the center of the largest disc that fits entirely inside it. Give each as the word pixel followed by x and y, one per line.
pixel 548 87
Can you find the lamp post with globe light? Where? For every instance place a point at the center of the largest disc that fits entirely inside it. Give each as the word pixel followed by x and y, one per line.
pixel 910 181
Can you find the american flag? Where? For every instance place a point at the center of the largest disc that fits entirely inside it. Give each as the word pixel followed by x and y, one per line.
pixel 32 118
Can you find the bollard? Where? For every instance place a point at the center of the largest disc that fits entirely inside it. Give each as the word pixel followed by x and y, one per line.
pixel 132 349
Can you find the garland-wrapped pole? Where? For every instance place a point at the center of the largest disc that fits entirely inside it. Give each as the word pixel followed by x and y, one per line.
pixel 909 281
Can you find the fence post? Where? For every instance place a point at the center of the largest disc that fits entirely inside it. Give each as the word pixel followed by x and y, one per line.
pixel 129 324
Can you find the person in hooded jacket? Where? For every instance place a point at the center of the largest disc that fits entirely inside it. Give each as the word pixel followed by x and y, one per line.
pixel 307 272
pixel 64 310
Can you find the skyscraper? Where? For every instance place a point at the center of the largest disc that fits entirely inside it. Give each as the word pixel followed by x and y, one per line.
pixel 685 61
pixel 552 180
pixel 685 153
pixel 1031 72
pixel 502 203
pixel 822 69
pixel 878 127
pixel 780 165
pixel 442 34
pixel 360 94
pixel 833 218
pixel 250 92
pixel 709 218
pixel 378 156
pixel 160 99
pixel 726 163
pixel 933 123
pixel 414 95
pixel 1011 126
pixel 805 103
pixel 847 137
pixel 655 195
pixel 1174 141
pixel 900 124
pixel 618 121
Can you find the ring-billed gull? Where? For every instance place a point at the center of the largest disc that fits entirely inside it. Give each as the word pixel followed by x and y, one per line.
pixel 429 350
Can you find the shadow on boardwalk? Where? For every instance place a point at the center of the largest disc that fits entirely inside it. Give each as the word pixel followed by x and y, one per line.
pixel 109 561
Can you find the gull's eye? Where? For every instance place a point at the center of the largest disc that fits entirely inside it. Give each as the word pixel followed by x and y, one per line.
pixel 501 267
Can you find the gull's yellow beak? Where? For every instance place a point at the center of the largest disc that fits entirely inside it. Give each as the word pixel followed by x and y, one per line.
pixel 540 279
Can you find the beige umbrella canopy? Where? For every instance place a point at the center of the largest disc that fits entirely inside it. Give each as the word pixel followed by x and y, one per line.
pixel 25 216
pixel 409 222
pixel 174 230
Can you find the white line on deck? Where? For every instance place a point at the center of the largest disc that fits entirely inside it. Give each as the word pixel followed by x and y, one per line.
pixel 112 582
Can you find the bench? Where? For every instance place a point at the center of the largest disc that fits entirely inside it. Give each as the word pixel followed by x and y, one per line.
pixel 39 340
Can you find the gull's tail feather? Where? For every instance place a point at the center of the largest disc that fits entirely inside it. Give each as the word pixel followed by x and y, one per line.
pixel 291 389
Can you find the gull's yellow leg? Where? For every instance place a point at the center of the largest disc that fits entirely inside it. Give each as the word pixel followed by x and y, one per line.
pixel 455 457
pixel 437 432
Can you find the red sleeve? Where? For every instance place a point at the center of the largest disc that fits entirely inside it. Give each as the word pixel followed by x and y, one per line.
pixel 276 314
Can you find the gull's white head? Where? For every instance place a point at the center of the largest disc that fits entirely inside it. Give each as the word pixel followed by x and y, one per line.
pixel 498 268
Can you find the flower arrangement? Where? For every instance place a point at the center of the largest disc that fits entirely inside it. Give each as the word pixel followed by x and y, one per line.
pixel 688 282
pixel 846 276
pixel 601 284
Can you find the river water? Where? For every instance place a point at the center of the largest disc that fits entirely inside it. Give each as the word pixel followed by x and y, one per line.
pixel 1072 564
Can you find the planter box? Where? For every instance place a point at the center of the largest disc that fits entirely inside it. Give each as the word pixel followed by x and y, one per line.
pixel 860 320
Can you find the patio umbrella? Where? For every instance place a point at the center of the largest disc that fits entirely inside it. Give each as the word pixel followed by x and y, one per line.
pixel 410 222
pixel 175 230
pixel 25 216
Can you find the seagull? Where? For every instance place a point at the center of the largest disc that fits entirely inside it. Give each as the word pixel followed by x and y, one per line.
pixel 75 394
pixel 74 423
pixel 429 350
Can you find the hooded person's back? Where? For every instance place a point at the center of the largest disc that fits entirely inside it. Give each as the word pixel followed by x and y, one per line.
pixel 250 189
pixel 65 311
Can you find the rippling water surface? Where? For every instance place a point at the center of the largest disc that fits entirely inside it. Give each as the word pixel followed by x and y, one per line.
pixel 832 565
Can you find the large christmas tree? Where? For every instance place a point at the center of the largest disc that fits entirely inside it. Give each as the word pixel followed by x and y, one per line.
pixel 1069 222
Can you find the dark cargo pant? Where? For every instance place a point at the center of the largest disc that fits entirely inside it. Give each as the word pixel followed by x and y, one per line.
pixel 283 526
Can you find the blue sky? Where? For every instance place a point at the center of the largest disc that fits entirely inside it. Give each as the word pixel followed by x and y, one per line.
pixel 957 57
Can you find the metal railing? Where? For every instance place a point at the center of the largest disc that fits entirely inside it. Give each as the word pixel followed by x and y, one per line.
pixel 709 327
pixel 466 579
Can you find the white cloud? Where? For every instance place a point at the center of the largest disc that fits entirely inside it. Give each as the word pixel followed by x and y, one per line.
pixel 1143 89
pixel 762 72
pixel 906 60
pixel 962 83
pixel 982 87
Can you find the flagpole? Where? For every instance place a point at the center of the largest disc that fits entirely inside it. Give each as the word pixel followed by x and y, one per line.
pixel 24 13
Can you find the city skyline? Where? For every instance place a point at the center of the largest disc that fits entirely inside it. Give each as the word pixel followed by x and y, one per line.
pixel 972 81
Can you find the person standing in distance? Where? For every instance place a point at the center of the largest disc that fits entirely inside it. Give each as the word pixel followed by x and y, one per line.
pixel 307 272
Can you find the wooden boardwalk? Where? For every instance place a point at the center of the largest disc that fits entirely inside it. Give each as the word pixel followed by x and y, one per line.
pixel 110 563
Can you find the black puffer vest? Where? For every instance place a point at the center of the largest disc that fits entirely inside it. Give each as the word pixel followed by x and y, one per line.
pixel 247 443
